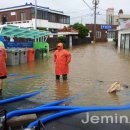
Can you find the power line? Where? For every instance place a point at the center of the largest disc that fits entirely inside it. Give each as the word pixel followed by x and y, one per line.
pixel 102 9
pixel 81 16
pixel 75 11
pixel 87 4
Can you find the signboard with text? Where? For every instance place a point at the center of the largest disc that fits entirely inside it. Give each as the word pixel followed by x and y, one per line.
pixel 18 44
pixel 105 27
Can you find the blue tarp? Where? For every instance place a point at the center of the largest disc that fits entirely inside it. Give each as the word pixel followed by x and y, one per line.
pixel 18 44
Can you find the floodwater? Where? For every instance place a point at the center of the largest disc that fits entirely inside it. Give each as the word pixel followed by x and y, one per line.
pixel 92 71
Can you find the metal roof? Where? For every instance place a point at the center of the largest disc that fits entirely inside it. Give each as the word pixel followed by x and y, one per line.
pixel 20 32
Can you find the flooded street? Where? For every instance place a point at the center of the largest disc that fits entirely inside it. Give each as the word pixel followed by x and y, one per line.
pixel 92 71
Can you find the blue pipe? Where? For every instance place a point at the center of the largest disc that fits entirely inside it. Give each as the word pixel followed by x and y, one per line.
pixel 21 97
pixel 36 110
pixel 25 78
pixel 13 74
pixel 41 108
pixel 59 101
pixel 52 108
pixel 75 111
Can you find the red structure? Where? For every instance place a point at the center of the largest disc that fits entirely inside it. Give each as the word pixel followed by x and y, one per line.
pixel 104 32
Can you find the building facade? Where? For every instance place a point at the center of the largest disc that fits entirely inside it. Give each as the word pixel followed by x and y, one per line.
pixel 124 35
pixel 24 16
pixel 110 16
pixel 104 32
pixel 112 19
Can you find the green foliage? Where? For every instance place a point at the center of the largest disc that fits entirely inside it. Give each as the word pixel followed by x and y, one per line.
pixel 116 41
pixel 83 31
pixel 61 39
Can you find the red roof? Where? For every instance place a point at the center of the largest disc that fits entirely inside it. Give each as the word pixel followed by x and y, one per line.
pixel 67 29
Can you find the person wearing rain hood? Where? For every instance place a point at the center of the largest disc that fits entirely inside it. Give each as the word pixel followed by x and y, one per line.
pixel 3 71
pixel 62 59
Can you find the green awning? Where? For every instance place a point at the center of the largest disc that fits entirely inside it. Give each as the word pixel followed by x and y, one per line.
pixel 21 32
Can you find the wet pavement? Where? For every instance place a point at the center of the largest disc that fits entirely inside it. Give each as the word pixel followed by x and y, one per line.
pixel 93 69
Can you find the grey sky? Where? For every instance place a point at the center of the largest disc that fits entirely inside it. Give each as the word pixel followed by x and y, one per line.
pixel 77 9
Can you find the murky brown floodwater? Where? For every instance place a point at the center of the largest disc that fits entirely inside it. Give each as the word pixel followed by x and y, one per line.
pixel 92 70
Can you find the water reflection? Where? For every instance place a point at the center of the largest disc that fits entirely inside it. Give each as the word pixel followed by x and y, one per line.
pixel 115 97
pixel 62 89
pixel 31 66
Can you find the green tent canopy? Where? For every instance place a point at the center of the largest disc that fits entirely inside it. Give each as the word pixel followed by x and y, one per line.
pixel 21 32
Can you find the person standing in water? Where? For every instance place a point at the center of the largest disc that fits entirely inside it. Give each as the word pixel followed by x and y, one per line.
pixel 3 70
pixel 62 58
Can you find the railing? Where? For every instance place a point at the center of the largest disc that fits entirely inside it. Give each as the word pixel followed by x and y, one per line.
pixel 40 23
pixel 19 22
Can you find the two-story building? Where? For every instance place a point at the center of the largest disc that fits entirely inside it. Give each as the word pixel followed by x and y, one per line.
pixel 24 16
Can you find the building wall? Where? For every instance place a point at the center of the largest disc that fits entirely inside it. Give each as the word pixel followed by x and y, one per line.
pixel 101 34
pixel 112 19
pixel 15 15
pixel 119 19
pixel 110 16
pixel 124 35
pixel 75 41
pixel 26 18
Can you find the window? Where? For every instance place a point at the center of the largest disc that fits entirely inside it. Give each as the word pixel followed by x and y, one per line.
pixel 23 16
pixel 68 20
pixel 33 13
pixel 39 14
pixel 98 34
pixel 111 34
pixel 45 15
pixel 52 17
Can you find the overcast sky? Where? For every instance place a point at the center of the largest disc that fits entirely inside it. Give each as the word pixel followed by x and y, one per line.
pixel 77 9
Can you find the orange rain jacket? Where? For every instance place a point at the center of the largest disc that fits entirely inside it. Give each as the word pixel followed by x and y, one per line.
pixel 62 59
pixel 3 57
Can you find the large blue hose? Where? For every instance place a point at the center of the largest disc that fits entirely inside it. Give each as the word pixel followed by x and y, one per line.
pixel 60 101
pixel 77 110
pixel 13 74
pixel 24 78
pixel 41 108
pixel 36 110
pixel 21 97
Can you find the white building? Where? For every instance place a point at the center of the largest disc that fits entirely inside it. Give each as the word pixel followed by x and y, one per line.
pixel 124 35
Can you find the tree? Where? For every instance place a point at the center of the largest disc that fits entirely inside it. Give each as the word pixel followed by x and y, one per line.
pixel 61 39
pixel 83 31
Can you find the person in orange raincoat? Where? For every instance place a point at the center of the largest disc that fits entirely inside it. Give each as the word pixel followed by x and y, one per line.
pixel 62 59
pixel 3 71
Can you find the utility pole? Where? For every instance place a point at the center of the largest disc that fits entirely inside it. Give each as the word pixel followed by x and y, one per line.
pixel 35 27
pixel 95 2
